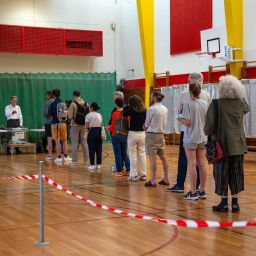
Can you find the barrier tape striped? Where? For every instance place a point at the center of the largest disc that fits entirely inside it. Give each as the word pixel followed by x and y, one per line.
pixel 181 223
pixel 24 177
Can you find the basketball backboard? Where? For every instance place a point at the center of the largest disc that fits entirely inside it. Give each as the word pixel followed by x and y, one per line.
pixel 214 40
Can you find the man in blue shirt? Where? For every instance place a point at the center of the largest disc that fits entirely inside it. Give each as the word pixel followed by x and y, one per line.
pixel 58 111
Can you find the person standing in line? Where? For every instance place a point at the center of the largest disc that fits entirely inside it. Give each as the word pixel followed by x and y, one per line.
pixel 14 118
pixel 193 117
pixel 136 138
pixel 94 124
pixel 182 161
pixel 229 171
pixel 155 124
pixel 59 113
pixel 77 112
pixel 117 94
pixel 47 124
pixel 119 138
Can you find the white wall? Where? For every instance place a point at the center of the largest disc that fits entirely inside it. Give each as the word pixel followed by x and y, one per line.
pixel 249 30
pixel 122 49
pixel 180 63
pixel 77 14
pixel 131 45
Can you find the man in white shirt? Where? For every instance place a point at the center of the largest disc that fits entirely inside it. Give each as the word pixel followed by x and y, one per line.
pixel 182 162
pixel 13 112
pixel 14 118
pixel 155 142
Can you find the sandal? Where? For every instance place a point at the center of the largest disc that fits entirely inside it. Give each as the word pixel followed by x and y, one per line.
pixel 149 184
pixel 162 182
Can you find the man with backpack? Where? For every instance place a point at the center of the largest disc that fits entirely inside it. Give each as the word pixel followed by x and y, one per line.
pixel 59 113
pixel 76 113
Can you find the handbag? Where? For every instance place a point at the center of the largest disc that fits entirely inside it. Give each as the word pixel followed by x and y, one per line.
pixel 214 151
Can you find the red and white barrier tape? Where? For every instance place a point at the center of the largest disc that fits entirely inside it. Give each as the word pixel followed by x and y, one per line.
pixel 24 177
pixel 181 223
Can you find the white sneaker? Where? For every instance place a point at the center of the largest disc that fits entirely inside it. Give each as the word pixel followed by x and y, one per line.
pixel 48 158
pixel 67 158
pixel 73 164
pixel 98 166
pixel 133 179
pixel 58 160
pixel 91 168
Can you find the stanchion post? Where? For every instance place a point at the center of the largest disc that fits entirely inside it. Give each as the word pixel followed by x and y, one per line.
pixel 41 172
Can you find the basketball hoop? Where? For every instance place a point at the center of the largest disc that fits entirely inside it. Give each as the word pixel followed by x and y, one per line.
pixel 206 57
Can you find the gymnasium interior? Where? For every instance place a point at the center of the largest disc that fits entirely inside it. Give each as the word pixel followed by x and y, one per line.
pixel 100 47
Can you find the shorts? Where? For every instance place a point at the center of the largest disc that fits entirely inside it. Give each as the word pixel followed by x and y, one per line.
pixel 59 132
pixel 194 145
pixel 155 144
pixel 48 130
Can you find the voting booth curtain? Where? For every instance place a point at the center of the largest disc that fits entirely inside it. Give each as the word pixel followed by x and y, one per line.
pixel 172 94
pixel 31 90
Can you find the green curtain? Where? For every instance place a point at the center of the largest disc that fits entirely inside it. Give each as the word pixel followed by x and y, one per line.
pixel 31 88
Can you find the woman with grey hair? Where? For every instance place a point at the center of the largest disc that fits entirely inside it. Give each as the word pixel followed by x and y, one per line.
pixel 229 171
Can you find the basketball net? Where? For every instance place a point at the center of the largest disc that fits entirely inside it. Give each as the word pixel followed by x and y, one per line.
pixel 205 58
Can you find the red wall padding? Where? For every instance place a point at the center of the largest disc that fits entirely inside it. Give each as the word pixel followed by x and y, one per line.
pixel 36 40
pixel 91 36
pixel 43 40
pixel 251 72
pixel 10 39
pixel 188 18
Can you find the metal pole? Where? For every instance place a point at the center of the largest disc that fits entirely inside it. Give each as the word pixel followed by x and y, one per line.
pixel 41 172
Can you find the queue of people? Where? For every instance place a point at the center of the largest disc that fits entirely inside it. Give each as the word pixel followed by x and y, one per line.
pixel 136 131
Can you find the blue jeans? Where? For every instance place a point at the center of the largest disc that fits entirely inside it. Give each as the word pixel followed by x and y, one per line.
pixel 120 151
pixel 183 164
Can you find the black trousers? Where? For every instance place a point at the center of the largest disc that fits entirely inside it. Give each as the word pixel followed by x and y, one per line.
pixel 94 142
pixel 182 165
pixel 229 173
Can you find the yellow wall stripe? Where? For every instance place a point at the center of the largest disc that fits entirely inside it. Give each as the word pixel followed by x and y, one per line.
pixel 234 24
pixel 146 23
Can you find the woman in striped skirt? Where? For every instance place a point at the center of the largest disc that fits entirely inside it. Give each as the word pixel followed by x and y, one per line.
pixel 229 171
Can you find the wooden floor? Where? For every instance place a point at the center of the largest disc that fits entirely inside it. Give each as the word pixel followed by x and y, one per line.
pixel 74 228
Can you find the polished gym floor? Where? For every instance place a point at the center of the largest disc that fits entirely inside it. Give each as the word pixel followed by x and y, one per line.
pixel 75 228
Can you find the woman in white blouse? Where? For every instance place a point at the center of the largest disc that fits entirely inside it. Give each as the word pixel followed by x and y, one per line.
pixel 94 124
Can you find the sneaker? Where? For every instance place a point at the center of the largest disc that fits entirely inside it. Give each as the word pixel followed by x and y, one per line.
pixel 162 182
pixel 235 208
pixel 118 174
pixel 125 173
pixel 9 152
pixel 98 166
pixel 73 164
pixel 149 184
pixel 221 207
pixel 113 169
pixel 143 178
pixel 58 160
pixel 190 196
pixel 133 179
pixel 67 158
pixel 48 158
pixel 202 195
pixel 176 189
pixel 91 168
